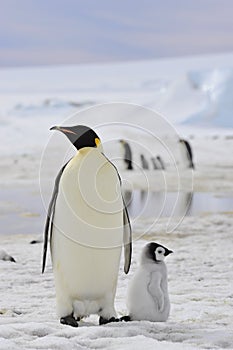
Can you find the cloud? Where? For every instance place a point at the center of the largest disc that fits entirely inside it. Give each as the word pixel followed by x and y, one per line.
pixel 58 56
pixel 73 31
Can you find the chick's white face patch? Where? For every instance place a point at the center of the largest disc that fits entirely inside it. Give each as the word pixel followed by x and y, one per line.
pixel 159 254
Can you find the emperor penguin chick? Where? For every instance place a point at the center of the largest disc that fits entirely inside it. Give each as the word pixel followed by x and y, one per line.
pixel 147 297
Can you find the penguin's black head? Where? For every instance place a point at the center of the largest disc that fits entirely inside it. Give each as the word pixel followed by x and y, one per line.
pixel 156 252
pixel 79 135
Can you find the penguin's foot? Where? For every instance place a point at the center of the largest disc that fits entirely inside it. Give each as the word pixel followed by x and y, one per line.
pixel 125 318
pixel 103 320
pixel 69 320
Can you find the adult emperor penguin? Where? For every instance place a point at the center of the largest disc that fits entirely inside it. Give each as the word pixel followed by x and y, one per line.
pixel 161 162
pixel 127 155
pixel 157 163
pixel 154 163
pixel 145 164
pixel 188 152
pixel 87 224
pixel 147 297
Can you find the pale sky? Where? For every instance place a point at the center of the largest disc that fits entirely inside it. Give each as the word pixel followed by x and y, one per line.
pixel 39 32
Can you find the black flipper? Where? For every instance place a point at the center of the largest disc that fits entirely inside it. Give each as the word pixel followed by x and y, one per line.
pixel 190 153
pixel 127 239
pixel 127 234
pixel 50 215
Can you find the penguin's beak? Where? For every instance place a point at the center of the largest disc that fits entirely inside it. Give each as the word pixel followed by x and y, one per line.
pixel 64 130
pixel 54 128
pixel 168 252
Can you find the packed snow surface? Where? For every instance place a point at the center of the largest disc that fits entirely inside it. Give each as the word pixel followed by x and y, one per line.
pixel 199 280
pixel 195 96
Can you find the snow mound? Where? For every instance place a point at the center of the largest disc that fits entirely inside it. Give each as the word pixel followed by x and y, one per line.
pixel 5 256
pixel 217 89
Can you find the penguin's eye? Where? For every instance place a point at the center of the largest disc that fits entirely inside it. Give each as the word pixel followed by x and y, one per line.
pixel 160 251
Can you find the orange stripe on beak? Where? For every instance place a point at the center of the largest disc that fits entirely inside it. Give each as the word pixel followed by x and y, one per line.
pixel 67 131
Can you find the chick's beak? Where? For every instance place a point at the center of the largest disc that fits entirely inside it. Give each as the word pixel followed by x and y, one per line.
pixel 168 252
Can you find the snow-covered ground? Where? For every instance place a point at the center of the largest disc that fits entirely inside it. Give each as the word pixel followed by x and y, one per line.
pixel 200 274
pixel 195 95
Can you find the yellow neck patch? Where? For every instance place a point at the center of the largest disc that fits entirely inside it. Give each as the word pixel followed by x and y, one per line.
pixel 97 141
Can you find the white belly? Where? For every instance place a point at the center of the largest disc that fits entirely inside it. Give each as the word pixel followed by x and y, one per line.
pixel 141 305
pixel 87 234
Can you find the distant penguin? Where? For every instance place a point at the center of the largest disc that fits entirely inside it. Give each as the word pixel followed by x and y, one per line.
pixel 147 296
pixel 189 154
pixel 145 164
pixel 39 239
pixel 5 256
pixel 161 162
pixel 157 163
pixel 154 163
pixel 87 224
pixel 127 155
